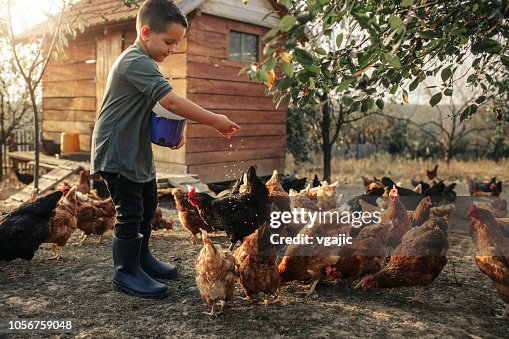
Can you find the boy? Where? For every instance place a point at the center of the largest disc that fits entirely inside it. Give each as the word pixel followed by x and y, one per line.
pixel 121 144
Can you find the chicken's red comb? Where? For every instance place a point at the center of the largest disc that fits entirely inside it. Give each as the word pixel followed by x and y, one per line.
pixel 472 210
pixel 192 191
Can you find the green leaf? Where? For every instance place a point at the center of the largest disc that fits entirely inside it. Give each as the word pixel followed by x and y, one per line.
pixel 347 100
pixel 406 3
pixel 321 51
pixel 380 104
pixel 283 2
pixel 446 74
pixel 395 22
pixel 262 75
pixel 270 64
pixel 287 23
pixel 394 89
pixel 405 96
pixel 465 114
pixel 435 99
pixel 339 40
pixel 486 46
pixel 270 34
pixel 285 83
pixel 481 99
pixel 448 92
pixel 392 60
pixel 414 84
pixel 313 69
pixel 365 106
pixel 288 69
pixel 311 86
pixel 343 85
pixel 303 56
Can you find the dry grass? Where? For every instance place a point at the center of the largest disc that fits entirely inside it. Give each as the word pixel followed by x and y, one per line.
pixel 399 169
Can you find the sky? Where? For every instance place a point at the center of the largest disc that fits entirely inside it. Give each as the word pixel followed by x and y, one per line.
pixel 26 13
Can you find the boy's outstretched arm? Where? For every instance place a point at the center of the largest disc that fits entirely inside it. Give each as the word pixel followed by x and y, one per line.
pixel 189 110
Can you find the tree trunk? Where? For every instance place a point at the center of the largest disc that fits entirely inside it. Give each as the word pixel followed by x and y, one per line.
pixel 326 145
pixel 36 136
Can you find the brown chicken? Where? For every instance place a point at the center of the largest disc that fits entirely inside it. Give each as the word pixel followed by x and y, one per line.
pixel 277 194
pixel 63 223
pixel 188 214
pixel 215 274
pixel 300 200
pixel 495 207
pixel 159 223
pixel 493 248
pixel 306 261
pixel 95 217
pixel 444 211
pixel 421 213
pixel 256 273
pixel 432 174
pixel 396 213
pixel 84 182
pixel 417 261
pixel 365 255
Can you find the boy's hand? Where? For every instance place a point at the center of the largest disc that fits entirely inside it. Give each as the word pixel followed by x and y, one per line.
pixel 182 142
pixel 225 126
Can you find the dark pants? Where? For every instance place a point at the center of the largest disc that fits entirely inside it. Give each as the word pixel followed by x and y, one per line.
pixel 135 204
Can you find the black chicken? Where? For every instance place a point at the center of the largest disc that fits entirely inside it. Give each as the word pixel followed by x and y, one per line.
pixel 23 230
pixel 238 215
pixel 100 188
pixel 25 178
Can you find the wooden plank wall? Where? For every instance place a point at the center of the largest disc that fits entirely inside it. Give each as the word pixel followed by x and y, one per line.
pixel 213 83
pixel 68 92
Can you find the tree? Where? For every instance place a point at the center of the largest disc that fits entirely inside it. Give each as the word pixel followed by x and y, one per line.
pixel 31 66
pixel 390 45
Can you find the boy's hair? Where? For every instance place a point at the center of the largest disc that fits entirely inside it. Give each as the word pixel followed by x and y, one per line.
pixel 157 14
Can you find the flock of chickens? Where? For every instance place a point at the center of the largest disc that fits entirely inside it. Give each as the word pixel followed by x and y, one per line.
pixel 407 248
pixel 55 217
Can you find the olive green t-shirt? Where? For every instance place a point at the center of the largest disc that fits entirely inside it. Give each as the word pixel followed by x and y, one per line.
pixel 121 140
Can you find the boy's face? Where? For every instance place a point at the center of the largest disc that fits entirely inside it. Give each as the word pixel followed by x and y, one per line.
pixel 160 45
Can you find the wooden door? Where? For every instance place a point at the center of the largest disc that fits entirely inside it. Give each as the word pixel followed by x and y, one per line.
pixel 108 48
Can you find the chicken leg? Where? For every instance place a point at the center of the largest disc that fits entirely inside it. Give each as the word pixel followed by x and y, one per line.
pixel 267 301
pixel 213 312
pixel 83 240
pixel 311 289
pixel 55 248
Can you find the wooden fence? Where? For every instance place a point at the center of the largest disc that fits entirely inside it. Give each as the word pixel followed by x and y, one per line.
pixel 21 141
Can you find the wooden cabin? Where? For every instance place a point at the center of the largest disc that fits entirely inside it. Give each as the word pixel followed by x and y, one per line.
pixel 224 36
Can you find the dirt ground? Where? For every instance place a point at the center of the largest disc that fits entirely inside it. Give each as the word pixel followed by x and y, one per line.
pixel 461 303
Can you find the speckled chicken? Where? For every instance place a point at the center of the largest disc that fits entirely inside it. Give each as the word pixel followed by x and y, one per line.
pixel 215 274
pixel 63 223
pixel 493 247
pixel 277 194
pixel 417 261
pixel 188 214
pixel 256 273
pixel 95 217
pixel 397 214
pixel 365 255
